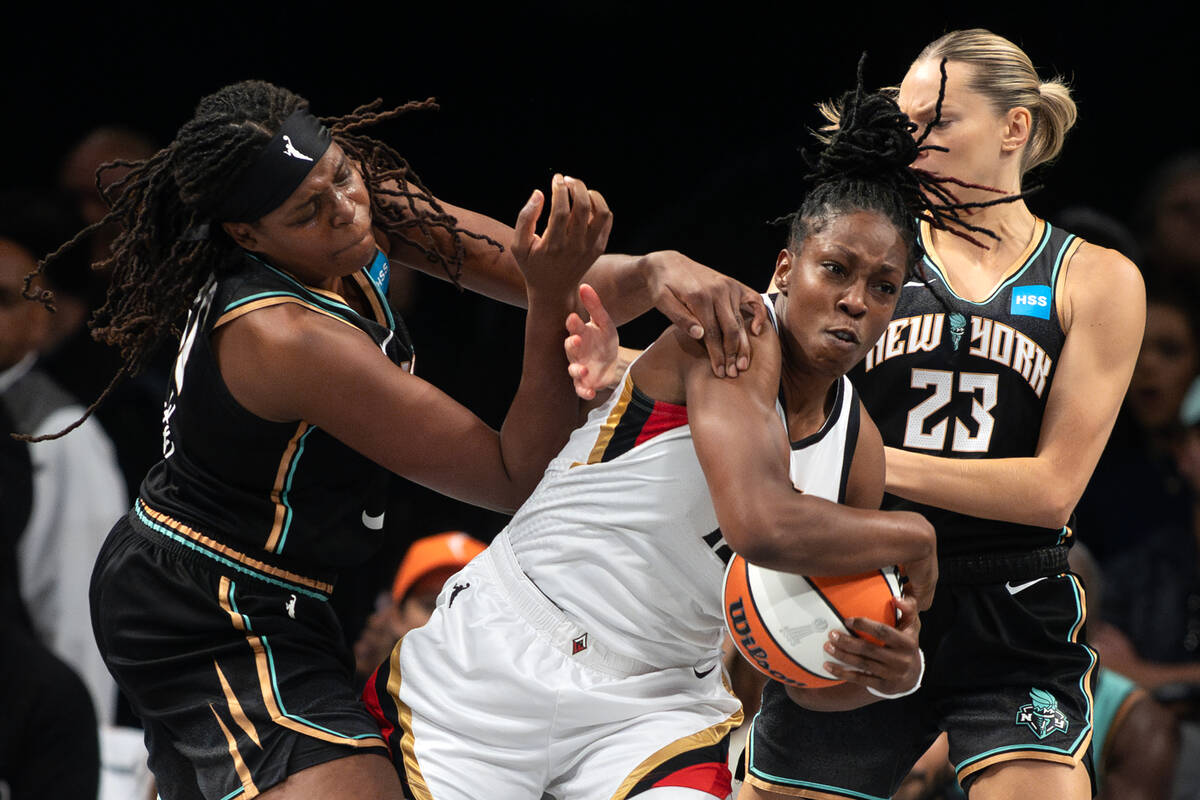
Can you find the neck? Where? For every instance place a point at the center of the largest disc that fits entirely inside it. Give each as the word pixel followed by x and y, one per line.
pixel 1012 222
pixel 807 397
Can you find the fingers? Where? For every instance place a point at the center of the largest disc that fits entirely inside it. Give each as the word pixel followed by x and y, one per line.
pixel 752 303
pixel 907 606
pixel 560 206
pixel 526 221
pixel 887 657
pixel 595 308
pixel 579 218
pixel 590 220
pixel 600 225
pixel 581 206
pixel 575 350
pixel 735 342
pixel 680 315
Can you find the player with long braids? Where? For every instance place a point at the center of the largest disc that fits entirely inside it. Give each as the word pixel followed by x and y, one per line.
pixel 994 387
pixel 579 656
pixel 291 401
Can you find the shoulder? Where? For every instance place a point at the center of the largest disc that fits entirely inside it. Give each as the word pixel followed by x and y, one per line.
pixel 676 364
pixel 274 354
pixel 1097 279
pixel 279 329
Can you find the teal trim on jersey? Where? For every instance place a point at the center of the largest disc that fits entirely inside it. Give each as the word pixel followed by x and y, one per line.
pixel 243 301
pixel 1062 535
pixel 1058 260
pixel 1028 262
pixel 233 604
pixel 153 525
pixel 234 793
pixel 318 299
pixel 792 781
pixel 1069 751
pixel 311 295
pixel 284 711
pixel 287 487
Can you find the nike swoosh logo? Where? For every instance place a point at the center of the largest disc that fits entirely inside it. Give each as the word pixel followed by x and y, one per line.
pixel 700 674
pixel 373 521
pixel 1020 587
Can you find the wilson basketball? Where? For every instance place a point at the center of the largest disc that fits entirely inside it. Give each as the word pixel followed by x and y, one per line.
pixel 780 621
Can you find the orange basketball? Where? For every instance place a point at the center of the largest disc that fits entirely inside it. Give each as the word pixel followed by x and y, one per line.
pixel 780 621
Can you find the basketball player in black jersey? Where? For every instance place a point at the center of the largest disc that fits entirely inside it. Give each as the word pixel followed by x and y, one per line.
pixel 994 388
pixel 291 399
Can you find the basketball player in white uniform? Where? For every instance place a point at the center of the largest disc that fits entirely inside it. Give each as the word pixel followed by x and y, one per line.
pixel 578 657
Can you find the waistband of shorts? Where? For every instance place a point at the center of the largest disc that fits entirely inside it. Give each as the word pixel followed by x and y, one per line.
pixel 982 568
pixel 539 611
pixel 184 540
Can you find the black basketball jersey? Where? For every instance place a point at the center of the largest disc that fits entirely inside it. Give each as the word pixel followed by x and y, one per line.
pixel 961 379
pixel 258 493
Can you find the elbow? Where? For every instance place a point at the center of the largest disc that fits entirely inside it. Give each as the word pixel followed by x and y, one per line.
pixel 923 535
pixel 751 537
pixel 757 535
pixel 1056 507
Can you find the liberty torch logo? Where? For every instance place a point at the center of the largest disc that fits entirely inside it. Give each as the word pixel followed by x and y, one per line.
pixel 958 326
pixel 1042 715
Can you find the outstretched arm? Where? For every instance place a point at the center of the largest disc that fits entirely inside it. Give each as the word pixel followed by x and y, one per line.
pixel 702 302
pixel 1104 316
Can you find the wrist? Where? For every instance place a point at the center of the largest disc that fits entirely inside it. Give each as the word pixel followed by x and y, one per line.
pixel 653 268
pixel 911 690
pixel 553 299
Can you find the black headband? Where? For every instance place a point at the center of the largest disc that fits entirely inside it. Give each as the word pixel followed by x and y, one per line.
pixel 281 166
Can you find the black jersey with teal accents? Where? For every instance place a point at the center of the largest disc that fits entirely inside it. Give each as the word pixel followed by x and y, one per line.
pixel 962 379
pixel 263 494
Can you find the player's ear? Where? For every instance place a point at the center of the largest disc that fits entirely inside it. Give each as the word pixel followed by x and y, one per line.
pixel 783 270
pixel 242 234
pixel 1018 126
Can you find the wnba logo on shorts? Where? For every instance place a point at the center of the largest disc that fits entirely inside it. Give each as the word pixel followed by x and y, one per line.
pixel 1042 715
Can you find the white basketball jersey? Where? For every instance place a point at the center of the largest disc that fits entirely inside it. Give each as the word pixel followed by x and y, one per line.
pixel 621 533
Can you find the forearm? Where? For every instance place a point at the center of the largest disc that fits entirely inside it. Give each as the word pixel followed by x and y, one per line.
pixel 545 408
pixel 622 281
pixel 487 269
pixel 624 284
pixel 1031 491
pixel 795 532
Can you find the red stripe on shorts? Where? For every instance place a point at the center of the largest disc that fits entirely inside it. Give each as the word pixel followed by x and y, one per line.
pixel 370 696
pixel 712 777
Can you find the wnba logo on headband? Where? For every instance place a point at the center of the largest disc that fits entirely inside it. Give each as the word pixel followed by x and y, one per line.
pixel 281 166
pixel 290 149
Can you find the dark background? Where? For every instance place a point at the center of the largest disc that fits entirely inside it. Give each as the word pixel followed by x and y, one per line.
pixel 689 122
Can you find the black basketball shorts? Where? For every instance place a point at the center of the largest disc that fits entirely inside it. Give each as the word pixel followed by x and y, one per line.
pixel 1008 676
pixel 236 668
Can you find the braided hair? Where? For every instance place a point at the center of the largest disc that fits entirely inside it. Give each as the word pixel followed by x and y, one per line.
pixel 171 241
pixel 866 165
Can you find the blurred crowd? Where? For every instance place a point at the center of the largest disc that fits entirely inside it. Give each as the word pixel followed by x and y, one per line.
pixel 1139 518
